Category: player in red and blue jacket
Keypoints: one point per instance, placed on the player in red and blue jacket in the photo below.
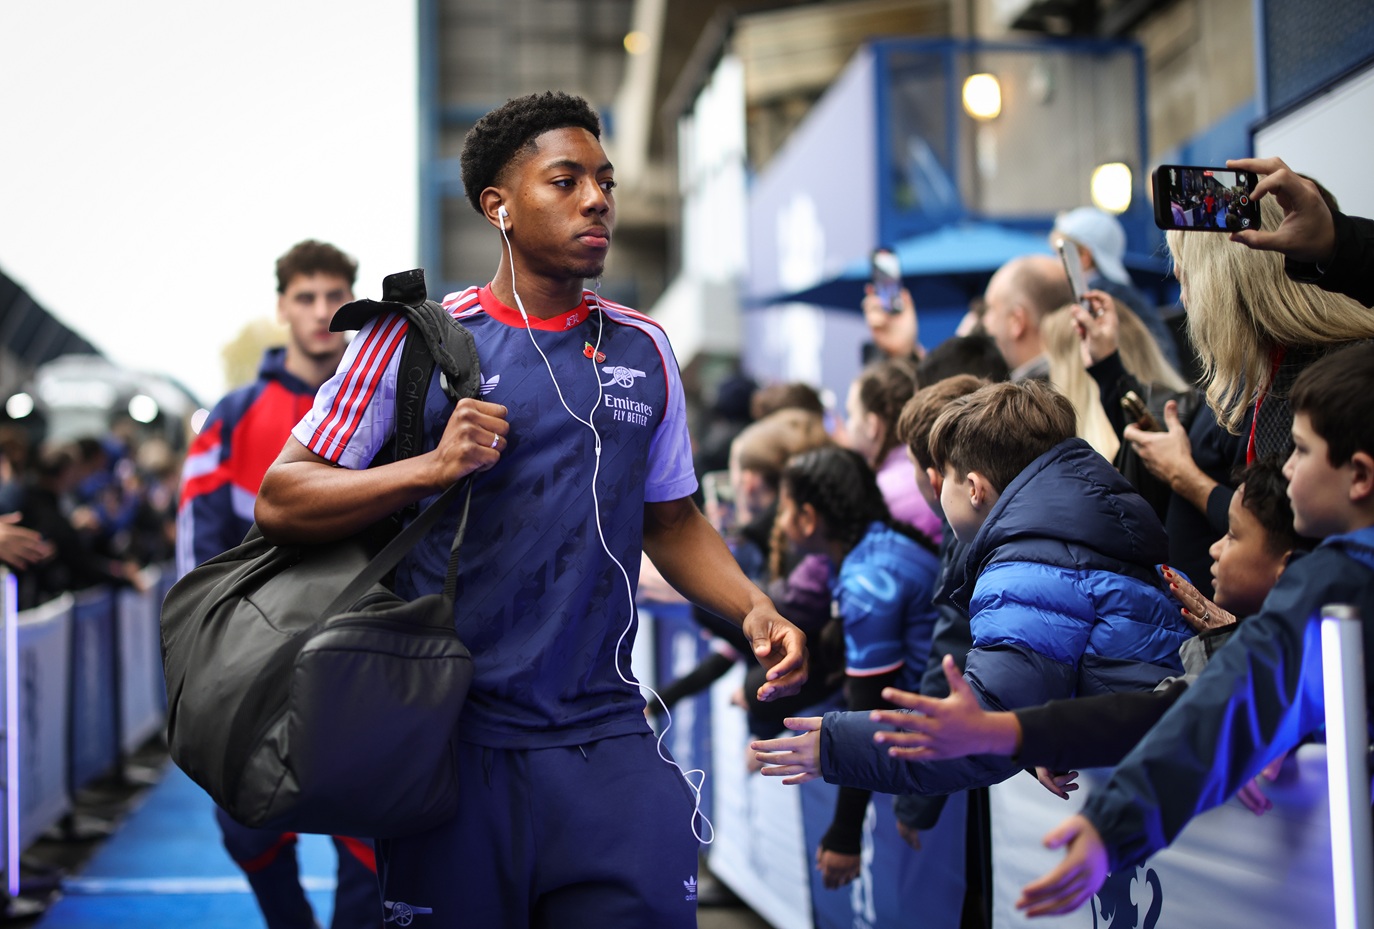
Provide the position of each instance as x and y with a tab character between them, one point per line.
219	484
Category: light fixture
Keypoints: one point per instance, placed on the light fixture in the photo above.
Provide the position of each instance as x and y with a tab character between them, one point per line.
636	42
198	419
143	408
1111	187
982	96
19	406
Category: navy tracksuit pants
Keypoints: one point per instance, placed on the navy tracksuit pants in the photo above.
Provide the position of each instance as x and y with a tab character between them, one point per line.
595	835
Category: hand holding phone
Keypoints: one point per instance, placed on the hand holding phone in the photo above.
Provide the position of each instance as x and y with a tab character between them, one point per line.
1308	231
1199	199
887	279
1139	413
1073	267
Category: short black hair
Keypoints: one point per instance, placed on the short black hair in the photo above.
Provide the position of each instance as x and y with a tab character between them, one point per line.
1266	497
493	143
967	354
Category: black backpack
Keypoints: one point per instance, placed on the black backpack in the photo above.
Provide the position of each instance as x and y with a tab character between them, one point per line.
303	694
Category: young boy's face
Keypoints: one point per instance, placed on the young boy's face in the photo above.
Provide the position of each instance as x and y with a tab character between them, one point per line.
927	482
1320	492
1244	568
956	499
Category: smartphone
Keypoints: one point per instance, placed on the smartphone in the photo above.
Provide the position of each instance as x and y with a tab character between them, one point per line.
1138	413
887	278
1073	266
1205	199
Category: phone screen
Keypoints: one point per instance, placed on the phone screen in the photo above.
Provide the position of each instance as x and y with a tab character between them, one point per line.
887	278
1205	199
1073	266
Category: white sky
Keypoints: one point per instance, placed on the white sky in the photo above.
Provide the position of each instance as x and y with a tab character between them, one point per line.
156	156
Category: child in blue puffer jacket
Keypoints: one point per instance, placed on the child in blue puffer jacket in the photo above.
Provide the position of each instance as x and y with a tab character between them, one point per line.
1059	578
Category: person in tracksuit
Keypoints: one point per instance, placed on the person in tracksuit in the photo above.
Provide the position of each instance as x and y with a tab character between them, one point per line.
219	483
569	813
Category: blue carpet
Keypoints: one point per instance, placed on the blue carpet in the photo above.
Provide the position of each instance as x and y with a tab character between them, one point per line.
166	867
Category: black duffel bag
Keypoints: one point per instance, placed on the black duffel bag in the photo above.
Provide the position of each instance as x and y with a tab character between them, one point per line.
305	696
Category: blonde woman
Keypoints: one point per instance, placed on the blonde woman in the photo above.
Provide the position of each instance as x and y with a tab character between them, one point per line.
1069	375
1255	329
1141	357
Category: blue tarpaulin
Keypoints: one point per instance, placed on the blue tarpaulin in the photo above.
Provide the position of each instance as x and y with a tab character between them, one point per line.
945	268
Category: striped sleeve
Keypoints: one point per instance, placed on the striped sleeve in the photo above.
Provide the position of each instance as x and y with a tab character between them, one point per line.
352	416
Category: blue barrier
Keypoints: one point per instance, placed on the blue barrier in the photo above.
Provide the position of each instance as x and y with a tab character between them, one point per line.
93	736
43	691
1229	869
892	876
142	694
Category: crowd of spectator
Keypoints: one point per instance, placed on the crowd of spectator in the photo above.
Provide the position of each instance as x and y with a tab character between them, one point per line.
1037	543
97	510
1106	526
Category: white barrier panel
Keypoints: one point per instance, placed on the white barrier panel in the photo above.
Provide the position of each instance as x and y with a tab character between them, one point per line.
42	688
140	664
759	851
1229	869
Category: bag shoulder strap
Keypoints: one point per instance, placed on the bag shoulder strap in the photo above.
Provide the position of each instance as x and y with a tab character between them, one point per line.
443	341
405	540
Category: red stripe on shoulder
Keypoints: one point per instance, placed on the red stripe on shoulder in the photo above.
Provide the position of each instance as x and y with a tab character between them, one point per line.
463	301
358	386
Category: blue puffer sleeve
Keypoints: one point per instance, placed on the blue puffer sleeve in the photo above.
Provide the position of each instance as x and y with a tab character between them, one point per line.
1043	607
849	756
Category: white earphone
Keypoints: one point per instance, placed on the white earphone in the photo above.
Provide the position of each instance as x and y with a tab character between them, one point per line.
589	422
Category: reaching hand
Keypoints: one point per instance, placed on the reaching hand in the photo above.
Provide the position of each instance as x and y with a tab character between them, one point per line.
21	547
1077	877
950	728
1059	783
1252	796
837	868
1199	612
796	758
780	647
1308	231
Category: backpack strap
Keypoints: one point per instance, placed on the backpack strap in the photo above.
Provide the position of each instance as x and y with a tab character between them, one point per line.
443	341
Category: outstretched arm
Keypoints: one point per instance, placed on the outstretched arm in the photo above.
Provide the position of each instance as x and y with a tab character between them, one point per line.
691	556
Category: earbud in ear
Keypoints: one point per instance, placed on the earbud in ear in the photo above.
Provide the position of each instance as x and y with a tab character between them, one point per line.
501	214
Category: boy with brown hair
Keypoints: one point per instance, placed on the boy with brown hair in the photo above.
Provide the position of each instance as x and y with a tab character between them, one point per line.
1260	694
1058	577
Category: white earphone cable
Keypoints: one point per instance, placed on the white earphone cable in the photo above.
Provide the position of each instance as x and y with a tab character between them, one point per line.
687	775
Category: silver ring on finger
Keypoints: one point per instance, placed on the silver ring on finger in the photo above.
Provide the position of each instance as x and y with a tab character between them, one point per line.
495	440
